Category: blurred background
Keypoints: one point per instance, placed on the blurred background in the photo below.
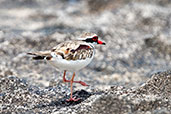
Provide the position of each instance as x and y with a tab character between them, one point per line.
137	34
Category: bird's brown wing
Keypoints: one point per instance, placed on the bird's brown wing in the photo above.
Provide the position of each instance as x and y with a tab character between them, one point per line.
80	53
69	50
74	51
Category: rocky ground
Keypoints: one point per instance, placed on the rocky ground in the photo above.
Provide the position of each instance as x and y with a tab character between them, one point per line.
131	74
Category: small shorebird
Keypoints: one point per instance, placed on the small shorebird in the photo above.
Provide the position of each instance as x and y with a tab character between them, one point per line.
71	56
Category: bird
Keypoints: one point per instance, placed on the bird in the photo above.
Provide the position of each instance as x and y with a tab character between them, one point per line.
72	55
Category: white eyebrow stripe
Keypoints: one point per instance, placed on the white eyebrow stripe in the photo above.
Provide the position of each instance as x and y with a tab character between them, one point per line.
91	36
82	38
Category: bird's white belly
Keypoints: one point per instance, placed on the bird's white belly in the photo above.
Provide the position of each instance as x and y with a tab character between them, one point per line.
70	65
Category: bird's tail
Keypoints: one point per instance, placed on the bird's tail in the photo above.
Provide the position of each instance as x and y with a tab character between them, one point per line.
40	55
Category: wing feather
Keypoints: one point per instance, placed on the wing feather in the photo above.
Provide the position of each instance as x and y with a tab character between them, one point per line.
40	55
69	50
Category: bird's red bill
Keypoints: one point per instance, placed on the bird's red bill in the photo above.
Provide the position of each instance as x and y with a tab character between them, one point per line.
100	42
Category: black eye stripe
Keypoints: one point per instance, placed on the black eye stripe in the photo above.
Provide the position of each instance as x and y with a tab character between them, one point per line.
89	40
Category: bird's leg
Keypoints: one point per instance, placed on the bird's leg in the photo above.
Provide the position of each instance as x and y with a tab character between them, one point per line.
64	79
71	82
80	82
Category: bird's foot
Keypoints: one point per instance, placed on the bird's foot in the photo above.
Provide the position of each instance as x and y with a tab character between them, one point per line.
73	99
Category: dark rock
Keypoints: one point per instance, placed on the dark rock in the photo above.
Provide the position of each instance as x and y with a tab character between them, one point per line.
161	43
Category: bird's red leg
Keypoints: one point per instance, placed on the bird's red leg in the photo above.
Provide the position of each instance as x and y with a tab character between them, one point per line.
71	82
64	79
80	82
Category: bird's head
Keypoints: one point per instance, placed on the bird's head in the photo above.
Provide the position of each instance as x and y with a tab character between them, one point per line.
91	38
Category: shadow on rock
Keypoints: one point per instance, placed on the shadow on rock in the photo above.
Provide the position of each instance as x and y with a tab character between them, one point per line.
82	94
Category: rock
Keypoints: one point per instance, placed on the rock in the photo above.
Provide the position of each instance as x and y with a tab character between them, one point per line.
161	43
153	96
17	96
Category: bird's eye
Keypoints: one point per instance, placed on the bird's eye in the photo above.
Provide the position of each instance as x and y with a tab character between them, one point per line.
95	38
